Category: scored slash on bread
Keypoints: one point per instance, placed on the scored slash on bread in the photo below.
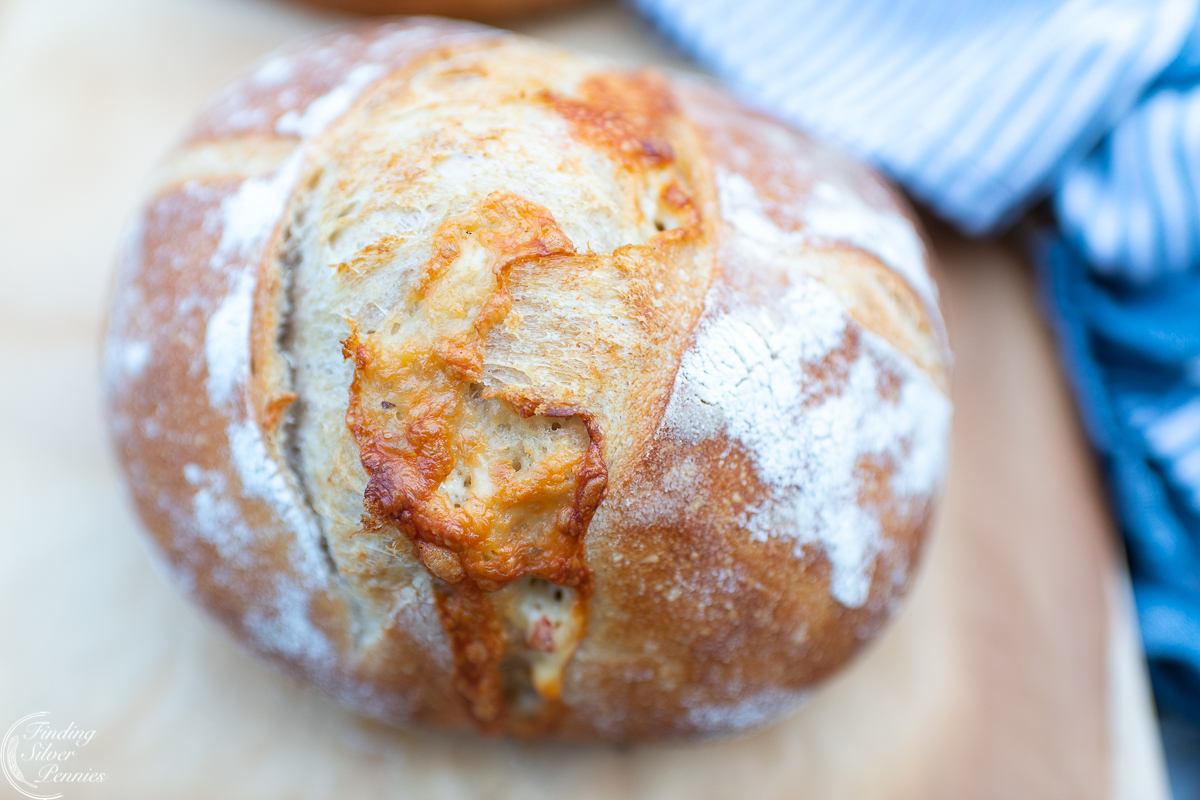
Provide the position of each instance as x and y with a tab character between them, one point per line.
491	387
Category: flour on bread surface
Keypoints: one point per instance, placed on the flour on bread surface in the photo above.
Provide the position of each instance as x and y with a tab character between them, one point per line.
804	387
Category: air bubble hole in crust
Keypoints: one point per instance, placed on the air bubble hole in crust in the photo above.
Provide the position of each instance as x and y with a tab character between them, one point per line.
665	221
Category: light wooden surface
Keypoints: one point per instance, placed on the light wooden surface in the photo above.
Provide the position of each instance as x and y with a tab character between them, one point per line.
1012	672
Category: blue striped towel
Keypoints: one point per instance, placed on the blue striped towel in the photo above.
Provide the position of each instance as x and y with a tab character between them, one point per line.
983	108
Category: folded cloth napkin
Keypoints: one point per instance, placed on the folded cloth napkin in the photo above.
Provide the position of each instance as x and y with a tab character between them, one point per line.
982	109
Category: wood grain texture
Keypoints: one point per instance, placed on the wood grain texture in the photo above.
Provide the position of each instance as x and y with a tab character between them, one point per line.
1010	673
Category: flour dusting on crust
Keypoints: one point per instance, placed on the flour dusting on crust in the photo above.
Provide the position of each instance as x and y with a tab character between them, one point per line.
751	374
227	342
218	519
838	215
831	214
251	214
750	712
286	628
744	212
248	220
261	477
803	386
328	107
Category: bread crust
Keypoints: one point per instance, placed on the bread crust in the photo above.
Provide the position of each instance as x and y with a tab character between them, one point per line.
762	397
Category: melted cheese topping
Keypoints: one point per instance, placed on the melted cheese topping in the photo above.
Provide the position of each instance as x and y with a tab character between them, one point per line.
491	481
479	400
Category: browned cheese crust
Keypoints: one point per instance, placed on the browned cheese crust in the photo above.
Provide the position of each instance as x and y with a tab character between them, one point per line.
493	388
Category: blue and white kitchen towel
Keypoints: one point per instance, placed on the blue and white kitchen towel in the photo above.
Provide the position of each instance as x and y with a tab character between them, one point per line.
982	108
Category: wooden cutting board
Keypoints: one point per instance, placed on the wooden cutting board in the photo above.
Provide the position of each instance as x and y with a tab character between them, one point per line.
1014	670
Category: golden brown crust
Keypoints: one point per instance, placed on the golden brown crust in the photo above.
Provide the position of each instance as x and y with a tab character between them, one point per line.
646	570
622	114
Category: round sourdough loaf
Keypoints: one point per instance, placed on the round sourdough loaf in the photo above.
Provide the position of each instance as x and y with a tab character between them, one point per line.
491	387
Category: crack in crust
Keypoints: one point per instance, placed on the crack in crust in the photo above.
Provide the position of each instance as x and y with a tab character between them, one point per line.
428	424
